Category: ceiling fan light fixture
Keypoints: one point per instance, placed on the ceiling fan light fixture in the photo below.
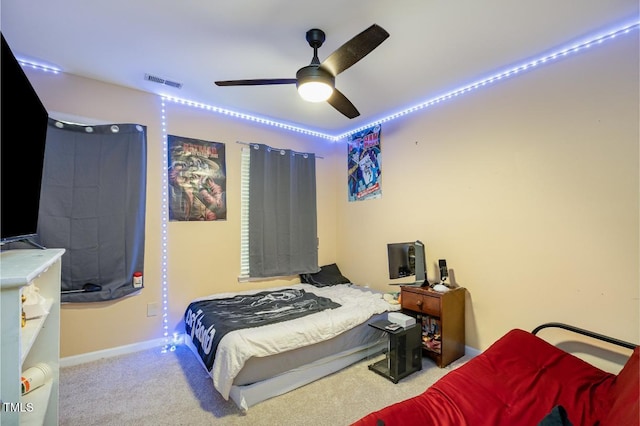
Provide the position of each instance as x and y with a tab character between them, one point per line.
314	84
315	91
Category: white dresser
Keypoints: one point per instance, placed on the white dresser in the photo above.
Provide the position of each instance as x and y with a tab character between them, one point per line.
37	342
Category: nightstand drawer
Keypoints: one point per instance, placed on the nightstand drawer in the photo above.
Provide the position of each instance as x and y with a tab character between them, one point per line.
421	303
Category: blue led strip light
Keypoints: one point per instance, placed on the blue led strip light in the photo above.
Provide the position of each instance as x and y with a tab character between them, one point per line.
164	208
557	54
560	53
249	117
511	72
39	67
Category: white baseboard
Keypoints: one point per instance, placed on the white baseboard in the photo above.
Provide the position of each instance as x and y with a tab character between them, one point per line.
107	353
468	350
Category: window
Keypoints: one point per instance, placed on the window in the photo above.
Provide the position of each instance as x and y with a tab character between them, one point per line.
93	205
278	209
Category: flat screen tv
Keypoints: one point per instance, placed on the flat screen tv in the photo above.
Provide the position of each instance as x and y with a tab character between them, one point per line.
406	260
23	132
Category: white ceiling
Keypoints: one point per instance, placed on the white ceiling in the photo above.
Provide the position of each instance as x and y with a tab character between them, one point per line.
435	46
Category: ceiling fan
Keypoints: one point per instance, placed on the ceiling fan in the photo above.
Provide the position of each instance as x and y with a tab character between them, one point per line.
316	82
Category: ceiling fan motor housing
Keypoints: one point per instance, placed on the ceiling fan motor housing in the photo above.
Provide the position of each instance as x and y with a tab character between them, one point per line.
313	73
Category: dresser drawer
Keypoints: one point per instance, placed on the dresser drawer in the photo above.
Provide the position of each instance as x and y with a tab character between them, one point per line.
423	303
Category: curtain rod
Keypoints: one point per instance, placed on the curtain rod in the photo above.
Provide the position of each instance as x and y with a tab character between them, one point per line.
295	152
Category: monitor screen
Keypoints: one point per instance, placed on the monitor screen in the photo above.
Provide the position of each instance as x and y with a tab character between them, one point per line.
407	259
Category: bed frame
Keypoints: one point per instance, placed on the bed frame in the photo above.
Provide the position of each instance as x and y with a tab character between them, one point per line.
584	332
247	395
267	376
306	365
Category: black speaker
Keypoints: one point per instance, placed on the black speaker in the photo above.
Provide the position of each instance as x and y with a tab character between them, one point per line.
444	271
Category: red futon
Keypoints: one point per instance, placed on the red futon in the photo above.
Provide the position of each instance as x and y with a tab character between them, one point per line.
522	380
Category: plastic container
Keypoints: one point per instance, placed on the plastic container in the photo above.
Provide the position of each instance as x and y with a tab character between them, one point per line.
137	279
34	377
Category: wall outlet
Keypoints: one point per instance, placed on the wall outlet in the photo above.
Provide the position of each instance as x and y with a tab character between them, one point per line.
152	309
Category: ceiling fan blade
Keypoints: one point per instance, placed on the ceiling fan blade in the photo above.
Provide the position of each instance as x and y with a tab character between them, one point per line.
259	82
342	104
355	49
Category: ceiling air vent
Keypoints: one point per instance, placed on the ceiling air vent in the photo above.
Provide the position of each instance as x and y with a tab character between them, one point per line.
159	80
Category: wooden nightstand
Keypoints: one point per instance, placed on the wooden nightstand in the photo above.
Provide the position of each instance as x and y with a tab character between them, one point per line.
442	318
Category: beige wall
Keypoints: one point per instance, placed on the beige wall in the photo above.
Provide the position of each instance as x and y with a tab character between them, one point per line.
203	258
528	188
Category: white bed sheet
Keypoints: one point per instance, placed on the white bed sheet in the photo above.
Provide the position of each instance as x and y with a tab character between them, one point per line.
358	304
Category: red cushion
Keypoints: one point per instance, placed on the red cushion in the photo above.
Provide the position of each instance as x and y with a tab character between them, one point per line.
516	381
625	395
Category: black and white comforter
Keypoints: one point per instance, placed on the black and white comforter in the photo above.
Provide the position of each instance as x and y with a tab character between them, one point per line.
208	321
356	305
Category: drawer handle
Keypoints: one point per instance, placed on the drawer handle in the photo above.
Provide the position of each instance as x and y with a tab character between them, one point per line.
419	303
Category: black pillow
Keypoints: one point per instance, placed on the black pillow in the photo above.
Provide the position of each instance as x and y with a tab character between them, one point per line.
328	275
557	417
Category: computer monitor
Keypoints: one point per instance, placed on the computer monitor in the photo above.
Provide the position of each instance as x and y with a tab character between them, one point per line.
407	259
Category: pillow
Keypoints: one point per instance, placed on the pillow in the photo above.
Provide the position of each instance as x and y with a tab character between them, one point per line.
328	275
557	417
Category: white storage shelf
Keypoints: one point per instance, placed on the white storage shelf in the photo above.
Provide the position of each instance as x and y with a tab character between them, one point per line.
38	341
31	330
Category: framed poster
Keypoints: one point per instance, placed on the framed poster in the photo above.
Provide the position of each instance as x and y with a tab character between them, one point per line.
364	164
197	180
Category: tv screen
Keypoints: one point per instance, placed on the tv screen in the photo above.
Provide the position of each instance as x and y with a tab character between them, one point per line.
407	259
23	132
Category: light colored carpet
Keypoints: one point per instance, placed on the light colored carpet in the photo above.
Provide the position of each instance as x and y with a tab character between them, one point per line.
152	388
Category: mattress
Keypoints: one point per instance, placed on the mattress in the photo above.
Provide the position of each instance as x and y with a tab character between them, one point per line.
261	368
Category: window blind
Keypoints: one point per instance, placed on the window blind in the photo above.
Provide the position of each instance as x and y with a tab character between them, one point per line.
244	213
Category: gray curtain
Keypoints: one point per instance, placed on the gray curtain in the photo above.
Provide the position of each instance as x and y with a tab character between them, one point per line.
93	205
282	213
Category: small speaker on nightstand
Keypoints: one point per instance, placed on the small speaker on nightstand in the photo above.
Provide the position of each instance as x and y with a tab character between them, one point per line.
444	272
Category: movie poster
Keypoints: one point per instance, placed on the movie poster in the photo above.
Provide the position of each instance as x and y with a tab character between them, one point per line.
364	164
197	180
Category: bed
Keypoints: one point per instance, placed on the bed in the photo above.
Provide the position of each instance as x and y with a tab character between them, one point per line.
523	380
258	344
